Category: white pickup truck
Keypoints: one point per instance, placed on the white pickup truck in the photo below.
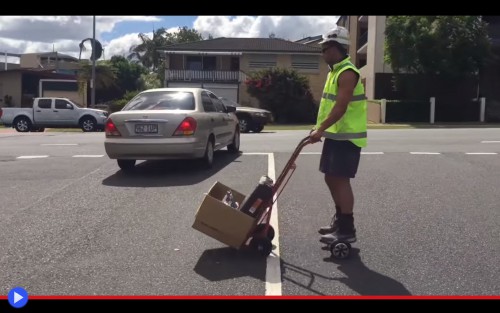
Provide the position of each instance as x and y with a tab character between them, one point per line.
53	113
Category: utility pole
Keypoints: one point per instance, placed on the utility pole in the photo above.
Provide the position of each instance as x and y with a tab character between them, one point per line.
92	82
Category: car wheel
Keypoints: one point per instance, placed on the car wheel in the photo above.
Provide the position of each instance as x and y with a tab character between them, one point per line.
208	158
126	165
234	147
88	124
22	124
258	128
244	124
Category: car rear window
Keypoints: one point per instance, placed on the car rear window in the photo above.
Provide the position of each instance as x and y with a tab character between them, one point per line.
162	100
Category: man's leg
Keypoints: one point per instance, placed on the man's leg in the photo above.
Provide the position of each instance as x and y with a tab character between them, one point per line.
339	163
334	223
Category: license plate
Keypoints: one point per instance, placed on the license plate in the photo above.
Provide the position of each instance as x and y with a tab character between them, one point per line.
146	128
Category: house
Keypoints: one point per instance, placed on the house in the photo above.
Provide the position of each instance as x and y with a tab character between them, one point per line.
222	64
22	85
50	74
58	62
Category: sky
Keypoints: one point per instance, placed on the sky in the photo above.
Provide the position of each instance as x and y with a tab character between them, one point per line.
27	34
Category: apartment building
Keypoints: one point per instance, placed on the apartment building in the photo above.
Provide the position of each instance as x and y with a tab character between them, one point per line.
367	47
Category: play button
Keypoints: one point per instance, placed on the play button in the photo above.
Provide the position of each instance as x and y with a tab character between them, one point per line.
18	297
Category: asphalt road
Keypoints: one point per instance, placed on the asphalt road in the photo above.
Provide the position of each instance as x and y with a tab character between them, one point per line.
428	224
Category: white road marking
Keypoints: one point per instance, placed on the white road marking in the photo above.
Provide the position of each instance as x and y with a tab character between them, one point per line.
481	153
319	153
88	156
255	153
490	141
425	152
59	144
32	156
273	266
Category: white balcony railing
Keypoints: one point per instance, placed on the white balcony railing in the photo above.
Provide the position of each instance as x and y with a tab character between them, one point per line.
207	76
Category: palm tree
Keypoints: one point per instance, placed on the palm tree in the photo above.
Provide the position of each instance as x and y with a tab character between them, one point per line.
146	51
105	75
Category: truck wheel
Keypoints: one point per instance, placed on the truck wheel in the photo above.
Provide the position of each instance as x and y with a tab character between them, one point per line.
88	124
22	124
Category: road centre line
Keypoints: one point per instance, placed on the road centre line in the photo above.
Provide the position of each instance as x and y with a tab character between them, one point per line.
59	144
32	156
481	153
273	264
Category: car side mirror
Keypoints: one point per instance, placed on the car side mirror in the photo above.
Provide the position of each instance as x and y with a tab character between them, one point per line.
69	106
230	109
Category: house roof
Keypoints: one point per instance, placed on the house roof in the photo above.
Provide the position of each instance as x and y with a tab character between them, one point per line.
245	45
309	40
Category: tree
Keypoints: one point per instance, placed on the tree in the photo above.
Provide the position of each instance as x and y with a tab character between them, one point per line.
285	93
183	35
438	45
147	51
149	81
128	74
105	74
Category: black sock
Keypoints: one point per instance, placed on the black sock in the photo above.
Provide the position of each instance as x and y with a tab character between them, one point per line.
346	223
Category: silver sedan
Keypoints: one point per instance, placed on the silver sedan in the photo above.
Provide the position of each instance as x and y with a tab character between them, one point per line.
171	123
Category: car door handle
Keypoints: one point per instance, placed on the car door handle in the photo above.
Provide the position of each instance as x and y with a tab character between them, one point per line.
56	111
39	110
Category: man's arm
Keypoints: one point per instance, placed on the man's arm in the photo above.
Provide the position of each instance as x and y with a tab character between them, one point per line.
347	82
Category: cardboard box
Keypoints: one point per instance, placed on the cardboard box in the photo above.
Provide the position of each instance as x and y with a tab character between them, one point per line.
220	221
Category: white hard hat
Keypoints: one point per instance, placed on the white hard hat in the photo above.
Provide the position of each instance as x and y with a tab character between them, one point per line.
339	34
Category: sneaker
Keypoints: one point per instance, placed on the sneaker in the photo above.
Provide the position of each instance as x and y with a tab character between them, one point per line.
338	236
334	225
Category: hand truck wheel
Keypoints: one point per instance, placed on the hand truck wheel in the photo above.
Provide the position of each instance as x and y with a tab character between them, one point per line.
340	249
262	245
270	231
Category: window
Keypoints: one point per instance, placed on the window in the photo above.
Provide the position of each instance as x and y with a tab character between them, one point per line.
208	105
44	103
198	63
63	104
219	106
305	63
161	100
262	61
235	64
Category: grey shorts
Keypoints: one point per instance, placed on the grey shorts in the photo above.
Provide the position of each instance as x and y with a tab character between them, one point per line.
339	158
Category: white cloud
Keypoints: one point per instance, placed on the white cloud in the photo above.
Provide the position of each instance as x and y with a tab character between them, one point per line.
287	27
24	34
122	45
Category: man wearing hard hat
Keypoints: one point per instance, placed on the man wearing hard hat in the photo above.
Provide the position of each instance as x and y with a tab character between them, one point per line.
342	123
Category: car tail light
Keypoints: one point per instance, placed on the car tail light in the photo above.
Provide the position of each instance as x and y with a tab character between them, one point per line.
186	128
1	112
111	129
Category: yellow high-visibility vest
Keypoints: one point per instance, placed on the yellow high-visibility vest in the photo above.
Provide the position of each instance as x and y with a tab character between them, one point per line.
352	126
